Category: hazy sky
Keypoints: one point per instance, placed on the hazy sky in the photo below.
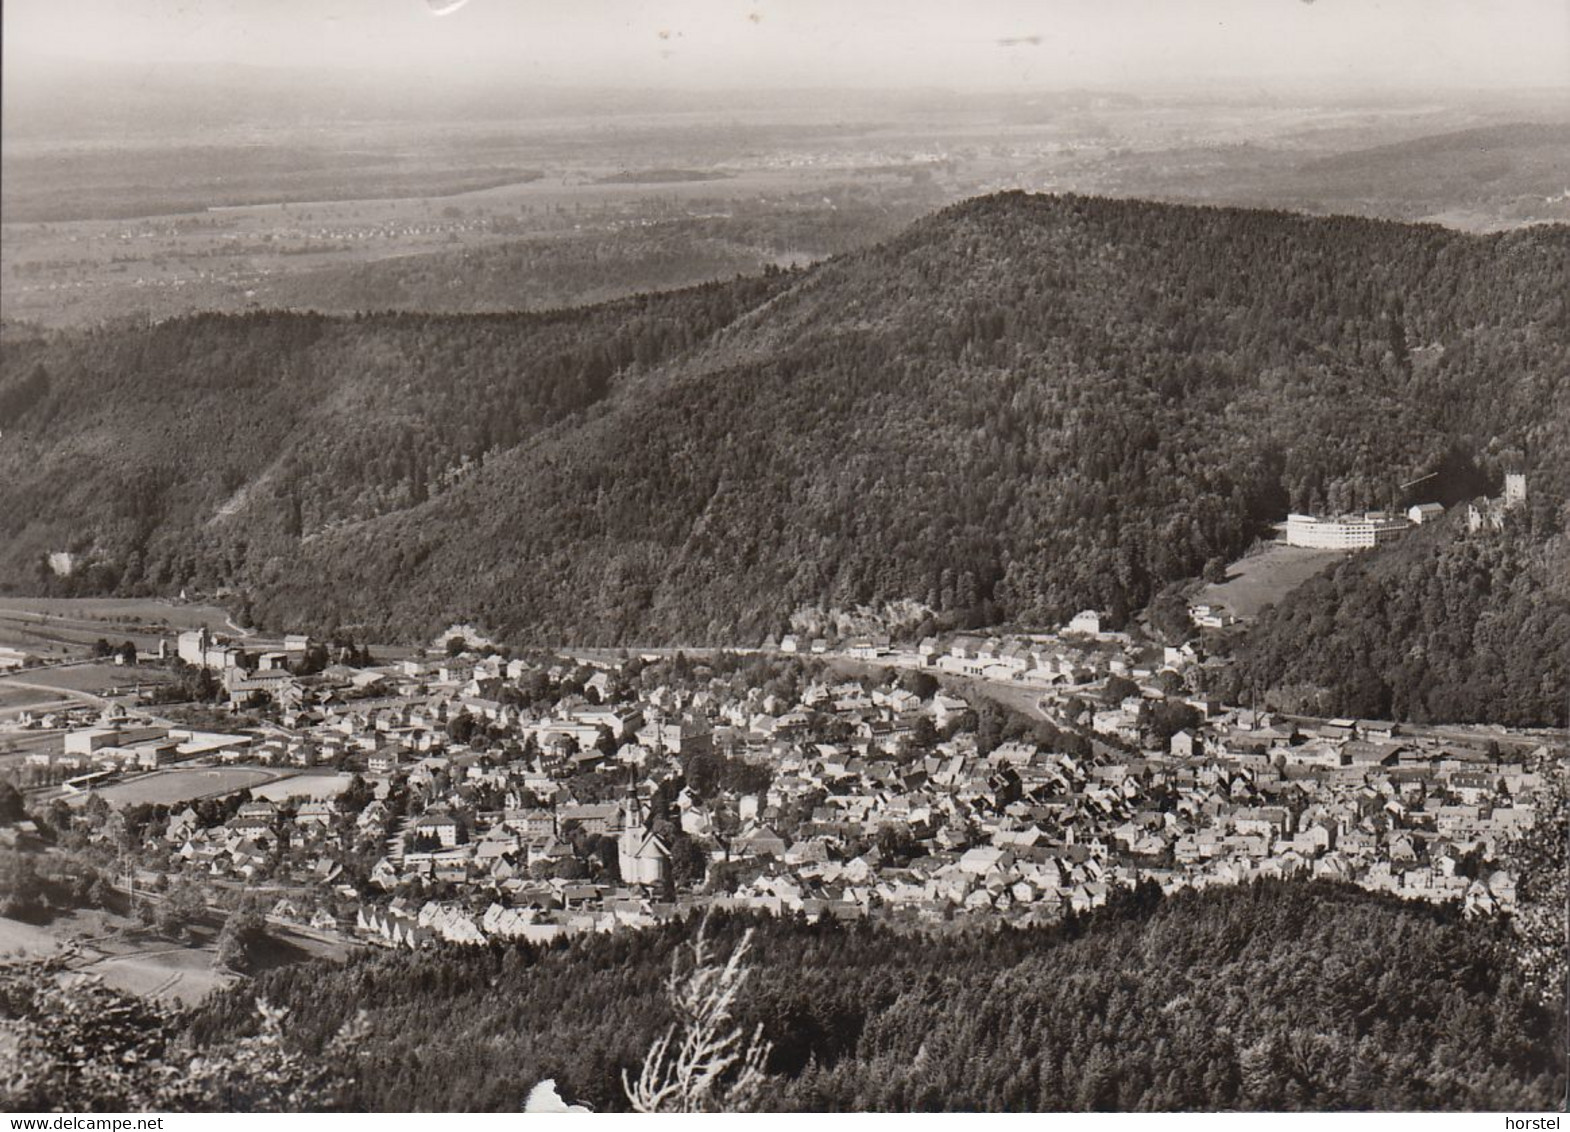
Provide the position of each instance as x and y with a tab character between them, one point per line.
949	43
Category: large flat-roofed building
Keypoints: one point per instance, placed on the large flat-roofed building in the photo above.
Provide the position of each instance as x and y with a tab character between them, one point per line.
1345	532
87	741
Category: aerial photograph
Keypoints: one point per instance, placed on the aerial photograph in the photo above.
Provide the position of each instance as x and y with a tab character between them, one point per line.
758	556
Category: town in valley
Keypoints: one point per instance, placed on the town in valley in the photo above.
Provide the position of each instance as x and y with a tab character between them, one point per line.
784	557
463	792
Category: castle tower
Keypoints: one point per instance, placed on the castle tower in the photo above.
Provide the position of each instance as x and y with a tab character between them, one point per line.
1515	489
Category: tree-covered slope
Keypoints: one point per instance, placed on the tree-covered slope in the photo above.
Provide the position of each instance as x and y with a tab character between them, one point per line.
184	453
1274	996
1020	407
1446	626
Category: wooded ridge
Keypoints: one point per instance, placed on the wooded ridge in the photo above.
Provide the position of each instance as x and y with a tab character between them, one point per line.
1020	407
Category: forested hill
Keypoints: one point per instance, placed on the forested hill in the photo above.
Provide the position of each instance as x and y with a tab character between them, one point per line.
1020	407
1275	996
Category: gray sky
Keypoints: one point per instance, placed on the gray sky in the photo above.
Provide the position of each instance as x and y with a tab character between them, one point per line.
977	44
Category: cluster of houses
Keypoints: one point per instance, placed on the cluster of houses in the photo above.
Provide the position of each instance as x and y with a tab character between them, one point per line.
480	812
1080	654
246	844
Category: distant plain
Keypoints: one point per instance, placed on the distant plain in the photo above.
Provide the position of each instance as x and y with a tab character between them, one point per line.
557	208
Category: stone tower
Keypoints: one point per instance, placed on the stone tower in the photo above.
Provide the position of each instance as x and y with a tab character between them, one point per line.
1515	489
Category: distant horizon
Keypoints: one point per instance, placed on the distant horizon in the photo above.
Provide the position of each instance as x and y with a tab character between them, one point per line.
27	67
1324	47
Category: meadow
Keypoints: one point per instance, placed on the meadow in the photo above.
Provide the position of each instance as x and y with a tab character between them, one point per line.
94	679
83	613
1264	578
115	948
14	699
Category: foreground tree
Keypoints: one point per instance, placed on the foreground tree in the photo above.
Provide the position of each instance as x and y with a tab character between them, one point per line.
1540	859
702	1063
244	931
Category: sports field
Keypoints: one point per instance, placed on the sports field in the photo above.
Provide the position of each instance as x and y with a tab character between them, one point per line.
171	787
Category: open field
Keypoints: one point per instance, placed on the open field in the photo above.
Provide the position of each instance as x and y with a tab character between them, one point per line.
107	614
54	627
13	699
168	971
171	787
52	640
94	679
18	940
59	628
1265	578
119	610
114	948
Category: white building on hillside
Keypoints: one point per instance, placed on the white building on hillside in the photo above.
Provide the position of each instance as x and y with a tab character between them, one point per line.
1345	532
1087	621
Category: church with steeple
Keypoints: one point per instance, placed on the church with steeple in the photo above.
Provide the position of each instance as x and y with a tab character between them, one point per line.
643	857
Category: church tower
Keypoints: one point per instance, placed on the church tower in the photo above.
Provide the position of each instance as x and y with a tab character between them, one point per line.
642	857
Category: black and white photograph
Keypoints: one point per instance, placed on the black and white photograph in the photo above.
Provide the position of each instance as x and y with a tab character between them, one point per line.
784	556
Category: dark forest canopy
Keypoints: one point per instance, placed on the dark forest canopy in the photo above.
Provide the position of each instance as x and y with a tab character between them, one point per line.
1022	406
1272	996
